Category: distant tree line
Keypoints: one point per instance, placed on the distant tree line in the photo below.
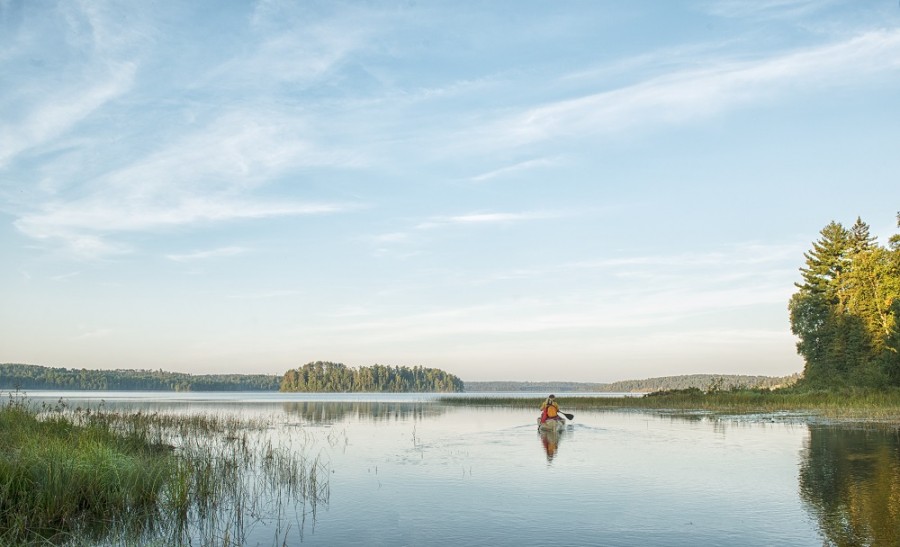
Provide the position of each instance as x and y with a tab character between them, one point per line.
324	376
703	382
846	309
18	376
539	387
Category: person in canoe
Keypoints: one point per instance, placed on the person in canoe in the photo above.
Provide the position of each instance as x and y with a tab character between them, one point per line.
550	409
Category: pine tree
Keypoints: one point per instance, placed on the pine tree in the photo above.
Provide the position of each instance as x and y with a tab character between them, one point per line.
826	261
845	312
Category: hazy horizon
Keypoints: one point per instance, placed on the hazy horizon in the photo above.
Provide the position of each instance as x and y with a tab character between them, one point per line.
587	191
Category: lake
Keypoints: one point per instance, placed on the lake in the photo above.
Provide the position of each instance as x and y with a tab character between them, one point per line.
406	469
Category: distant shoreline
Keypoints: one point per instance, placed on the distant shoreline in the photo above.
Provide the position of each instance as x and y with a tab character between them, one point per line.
24	377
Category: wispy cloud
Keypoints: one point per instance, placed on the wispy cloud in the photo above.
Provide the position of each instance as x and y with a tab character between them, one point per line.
392	237
207	176
88	226
93	334
60	111
475	219
267	294
65	276
678	293
685	95
753	263
514	169
764	9
211	253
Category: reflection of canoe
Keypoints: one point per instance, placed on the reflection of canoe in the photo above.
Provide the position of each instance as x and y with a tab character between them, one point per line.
552	425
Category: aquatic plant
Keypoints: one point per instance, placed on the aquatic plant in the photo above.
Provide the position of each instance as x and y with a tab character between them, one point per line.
857	404
96	475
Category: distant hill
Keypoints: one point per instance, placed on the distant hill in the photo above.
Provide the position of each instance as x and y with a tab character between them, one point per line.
704	382
548	387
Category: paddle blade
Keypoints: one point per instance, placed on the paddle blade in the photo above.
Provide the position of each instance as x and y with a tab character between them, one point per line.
568	416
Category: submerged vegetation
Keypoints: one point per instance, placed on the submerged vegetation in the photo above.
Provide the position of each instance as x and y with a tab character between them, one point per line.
76	475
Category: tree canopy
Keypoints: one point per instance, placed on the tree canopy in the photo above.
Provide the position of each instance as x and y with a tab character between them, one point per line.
19	376
846	309
336	377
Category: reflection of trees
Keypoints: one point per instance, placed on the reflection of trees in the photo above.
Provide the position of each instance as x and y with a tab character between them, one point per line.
330	411
851	480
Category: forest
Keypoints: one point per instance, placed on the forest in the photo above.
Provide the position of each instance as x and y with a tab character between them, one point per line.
704	382
325	376
846	309
18	376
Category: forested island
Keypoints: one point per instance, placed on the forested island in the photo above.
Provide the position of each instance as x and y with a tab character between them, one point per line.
337	377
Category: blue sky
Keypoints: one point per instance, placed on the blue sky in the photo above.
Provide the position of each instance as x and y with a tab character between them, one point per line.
528	190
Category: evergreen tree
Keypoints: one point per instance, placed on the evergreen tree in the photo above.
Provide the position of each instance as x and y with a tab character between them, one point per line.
826	261
814	318
845	311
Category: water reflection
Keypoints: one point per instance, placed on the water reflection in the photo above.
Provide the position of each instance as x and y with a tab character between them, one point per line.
851	481
318	412
550	441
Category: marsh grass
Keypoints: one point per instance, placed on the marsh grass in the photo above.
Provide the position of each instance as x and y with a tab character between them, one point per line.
845	404
132	478
56	477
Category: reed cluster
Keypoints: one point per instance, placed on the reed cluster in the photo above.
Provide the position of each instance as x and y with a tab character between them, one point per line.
849	403
56	477
98	476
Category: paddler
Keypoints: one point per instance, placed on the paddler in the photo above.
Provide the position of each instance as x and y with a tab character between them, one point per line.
550	409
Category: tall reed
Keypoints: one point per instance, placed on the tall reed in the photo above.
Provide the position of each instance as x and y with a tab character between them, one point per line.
850	404
96	475
56	477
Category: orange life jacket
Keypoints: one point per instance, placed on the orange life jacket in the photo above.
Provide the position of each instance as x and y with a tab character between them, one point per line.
551	407
552	410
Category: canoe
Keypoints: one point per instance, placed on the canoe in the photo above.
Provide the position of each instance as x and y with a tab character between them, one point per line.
552	425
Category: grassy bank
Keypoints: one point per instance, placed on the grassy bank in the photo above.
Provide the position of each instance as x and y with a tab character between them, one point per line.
87	476
57	477
850	404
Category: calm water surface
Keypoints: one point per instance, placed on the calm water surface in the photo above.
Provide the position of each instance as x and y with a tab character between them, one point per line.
408	470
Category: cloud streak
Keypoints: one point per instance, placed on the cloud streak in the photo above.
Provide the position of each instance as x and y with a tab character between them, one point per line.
514	169
211	253
208	176
689	94
481	219
57	114
765	9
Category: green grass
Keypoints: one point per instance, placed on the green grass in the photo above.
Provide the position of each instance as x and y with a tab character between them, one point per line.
847	404
57	477
87	476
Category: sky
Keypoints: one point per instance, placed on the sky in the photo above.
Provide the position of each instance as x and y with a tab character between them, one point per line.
510	190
